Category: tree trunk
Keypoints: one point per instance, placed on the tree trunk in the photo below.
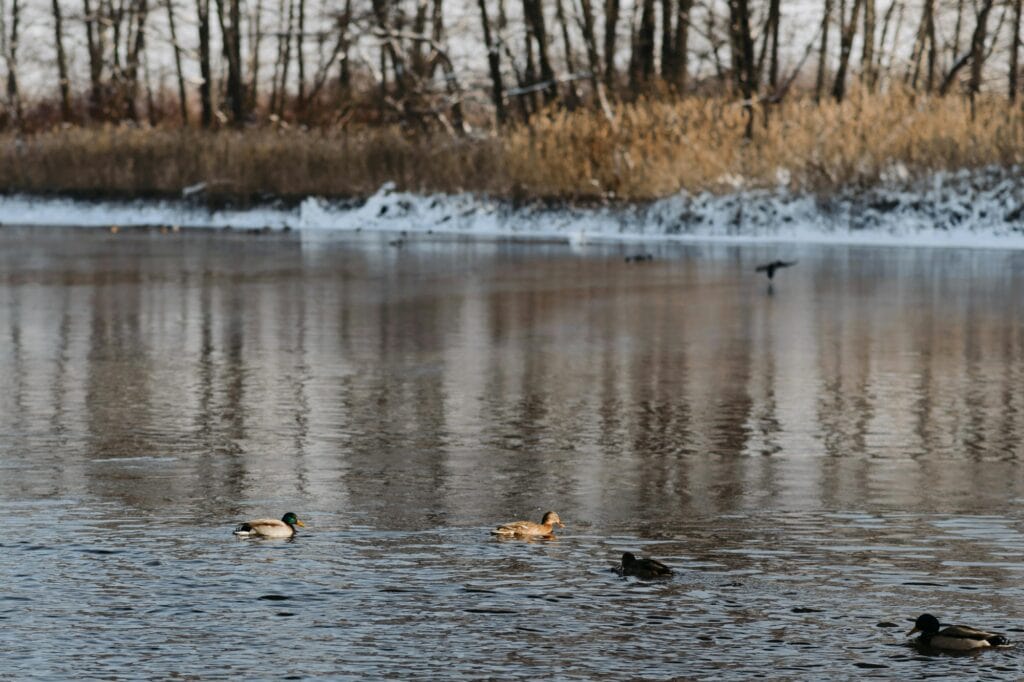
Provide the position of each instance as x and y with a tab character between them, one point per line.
847	33
774	19
382	13
62	64
182	98
94	45
494	65
611	20
236	79
255	42
10	55
534	14
231	32
867	58
644	46
978	50
743	58
300	57
205	75
572	97
593	60
344	72
140	12
1014	50
932	46
286	60
819	82
667	49
958	28
681	46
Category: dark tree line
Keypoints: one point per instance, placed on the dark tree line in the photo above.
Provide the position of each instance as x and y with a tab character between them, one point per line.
231	62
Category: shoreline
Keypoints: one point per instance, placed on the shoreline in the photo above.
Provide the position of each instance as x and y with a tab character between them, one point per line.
969	209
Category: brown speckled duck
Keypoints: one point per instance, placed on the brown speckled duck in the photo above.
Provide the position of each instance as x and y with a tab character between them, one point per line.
529	529
270	528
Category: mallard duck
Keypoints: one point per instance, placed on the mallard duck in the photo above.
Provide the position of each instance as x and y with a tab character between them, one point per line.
270	528
953	637
647	569
529	529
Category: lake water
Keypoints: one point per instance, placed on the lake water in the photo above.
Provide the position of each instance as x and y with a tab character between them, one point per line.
819	462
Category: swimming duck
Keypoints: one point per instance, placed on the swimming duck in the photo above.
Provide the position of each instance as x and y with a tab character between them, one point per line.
529	529
270	528
953	637
647	569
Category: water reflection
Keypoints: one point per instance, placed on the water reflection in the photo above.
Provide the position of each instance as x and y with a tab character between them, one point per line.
494	376
843	451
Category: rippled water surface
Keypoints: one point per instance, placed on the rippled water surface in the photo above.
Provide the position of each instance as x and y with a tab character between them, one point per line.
819	462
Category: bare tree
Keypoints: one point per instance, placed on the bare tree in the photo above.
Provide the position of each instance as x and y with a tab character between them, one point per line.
611	20
205	73
1014	52
182	97
231	34
681	46
493	64
667	36
534	15
300	53
819	81
255	40
572	96
975	56
847	32
642	62
62	63
138	15
593	60
94	34
978	49
744	69
9	46
867	59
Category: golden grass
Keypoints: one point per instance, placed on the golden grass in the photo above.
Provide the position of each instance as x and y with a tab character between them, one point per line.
649	150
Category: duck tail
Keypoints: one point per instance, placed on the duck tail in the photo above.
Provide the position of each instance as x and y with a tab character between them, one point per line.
245	530
998	640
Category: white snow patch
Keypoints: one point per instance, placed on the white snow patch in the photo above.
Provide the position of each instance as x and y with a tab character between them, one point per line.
965	209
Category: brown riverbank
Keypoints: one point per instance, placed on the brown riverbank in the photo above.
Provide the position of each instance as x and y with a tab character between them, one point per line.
645	151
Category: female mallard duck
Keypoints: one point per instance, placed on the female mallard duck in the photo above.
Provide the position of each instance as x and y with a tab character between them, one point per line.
953	637
270	528
529	529
647	569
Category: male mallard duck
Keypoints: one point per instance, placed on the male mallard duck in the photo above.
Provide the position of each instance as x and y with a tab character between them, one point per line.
953	637
270	528
529	529
643	568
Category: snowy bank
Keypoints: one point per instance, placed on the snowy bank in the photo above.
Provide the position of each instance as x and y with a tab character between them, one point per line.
975	209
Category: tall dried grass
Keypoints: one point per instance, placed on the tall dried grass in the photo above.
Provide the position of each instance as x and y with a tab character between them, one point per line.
649	149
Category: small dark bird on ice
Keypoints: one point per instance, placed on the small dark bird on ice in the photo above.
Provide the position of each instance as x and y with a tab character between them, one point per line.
770	268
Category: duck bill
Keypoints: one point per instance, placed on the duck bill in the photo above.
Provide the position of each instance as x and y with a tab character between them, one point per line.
560	524
914	631
300	523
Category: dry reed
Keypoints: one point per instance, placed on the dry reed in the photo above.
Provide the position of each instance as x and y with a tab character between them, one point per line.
648	150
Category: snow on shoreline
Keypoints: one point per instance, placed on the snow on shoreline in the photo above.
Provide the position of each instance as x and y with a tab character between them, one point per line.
978	209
